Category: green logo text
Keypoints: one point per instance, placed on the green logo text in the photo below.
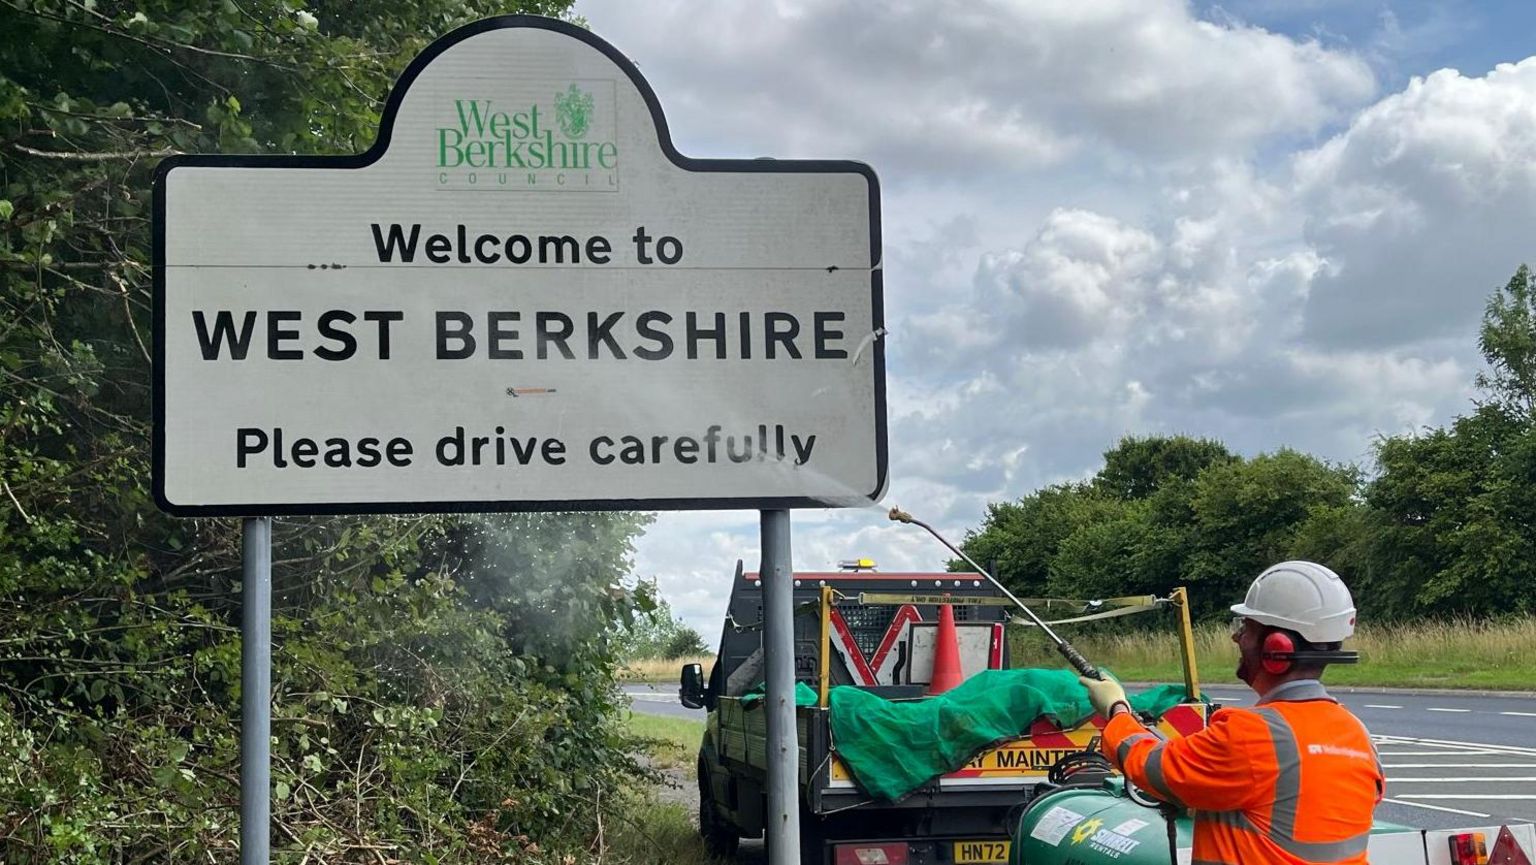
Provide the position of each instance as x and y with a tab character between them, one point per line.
485	137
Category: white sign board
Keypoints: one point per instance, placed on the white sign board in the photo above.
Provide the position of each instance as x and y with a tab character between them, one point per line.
977	641
521	298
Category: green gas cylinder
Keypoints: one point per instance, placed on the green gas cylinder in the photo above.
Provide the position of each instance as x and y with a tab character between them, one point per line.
1088	825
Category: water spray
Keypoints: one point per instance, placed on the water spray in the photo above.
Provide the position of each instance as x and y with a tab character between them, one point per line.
1073	656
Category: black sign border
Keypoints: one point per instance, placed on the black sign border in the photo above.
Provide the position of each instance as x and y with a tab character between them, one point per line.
371	155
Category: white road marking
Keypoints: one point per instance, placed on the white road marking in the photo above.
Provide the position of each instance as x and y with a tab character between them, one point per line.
1438	808
1435	753
1491	779
1459	765
1510	757
1375	706
1434	709
1520	796
1520	714
1466	747
1421	743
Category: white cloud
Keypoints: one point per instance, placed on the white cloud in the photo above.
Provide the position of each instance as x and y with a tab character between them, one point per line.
1104	219
1422	207
942	90
1079	278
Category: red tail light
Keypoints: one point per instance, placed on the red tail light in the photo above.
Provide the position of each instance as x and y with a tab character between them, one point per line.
870	854
1469	848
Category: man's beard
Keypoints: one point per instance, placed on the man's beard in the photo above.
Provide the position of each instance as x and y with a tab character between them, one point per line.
1244	669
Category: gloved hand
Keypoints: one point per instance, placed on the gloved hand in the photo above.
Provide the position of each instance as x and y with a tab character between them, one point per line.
1104	694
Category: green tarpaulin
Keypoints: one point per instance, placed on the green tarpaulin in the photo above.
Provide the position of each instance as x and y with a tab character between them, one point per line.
894	747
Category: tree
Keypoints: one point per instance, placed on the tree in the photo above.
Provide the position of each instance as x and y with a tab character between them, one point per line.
1019	540
1455	525
1192	513
1097	559
1452	507
1136	467
1508	343
1343	536
684	642
659	633
1248	516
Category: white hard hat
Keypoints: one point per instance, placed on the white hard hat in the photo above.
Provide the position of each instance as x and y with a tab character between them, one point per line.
1304	597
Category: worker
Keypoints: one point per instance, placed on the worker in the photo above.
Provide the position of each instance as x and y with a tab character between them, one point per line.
1293	780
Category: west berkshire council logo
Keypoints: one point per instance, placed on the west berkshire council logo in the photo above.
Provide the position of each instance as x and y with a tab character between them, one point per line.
555	142
573	109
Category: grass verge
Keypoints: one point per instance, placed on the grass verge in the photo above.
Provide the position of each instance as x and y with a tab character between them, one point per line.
671	742
1450	654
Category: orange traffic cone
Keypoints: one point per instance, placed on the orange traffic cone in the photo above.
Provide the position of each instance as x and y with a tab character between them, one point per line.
946	654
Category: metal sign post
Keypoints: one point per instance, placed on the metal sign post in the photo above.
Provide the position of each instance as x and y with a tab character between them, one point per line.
783	818
256	693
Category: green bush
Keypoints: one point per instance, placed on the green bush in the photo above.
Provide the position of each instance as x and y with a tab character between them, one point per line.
406	720
443	687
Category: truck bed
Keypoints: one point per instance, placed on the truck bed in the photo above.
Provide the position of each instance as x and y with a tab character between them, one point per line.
1002	772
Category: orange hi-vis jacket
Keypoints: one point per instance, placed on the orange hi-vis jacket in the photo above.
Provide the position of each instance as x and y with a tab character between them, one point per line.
1292	781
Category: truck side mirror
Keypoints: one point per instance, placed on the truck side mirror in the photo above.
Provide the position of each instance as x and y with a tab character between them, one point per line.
691	692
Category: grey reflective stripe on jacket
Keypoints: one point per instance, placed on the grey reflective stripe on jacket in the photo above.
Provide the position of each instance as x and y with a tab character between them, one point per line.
1282	820
1125	747
1155	779
1311	851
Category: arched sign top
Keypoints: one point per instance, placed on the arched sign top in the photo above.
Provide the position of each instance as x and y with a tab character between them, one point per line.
624	65
520	297
534	22
500	23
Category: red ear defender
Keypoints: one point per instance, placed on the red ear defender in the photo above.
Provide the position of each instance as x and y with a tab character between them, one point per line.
1278	649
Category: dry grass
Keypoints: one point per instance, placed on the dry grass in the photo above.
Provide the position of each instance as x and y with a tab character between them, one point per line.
656	833
662	669
658	829
1448	654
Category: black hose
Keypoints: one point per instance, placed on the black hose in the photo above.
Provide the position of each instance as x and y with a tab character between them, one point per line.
1076	659
1169	815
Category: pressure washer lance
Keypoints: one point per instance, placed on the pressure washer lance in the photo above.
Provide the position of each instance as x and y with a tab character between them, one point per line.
1073	656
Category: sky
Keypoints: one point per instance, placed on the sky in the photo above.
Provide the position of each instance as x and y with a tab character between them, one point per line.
1269	222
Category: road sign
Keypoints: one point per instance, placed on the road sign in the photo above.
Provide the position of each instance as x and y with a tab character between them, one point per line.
522	297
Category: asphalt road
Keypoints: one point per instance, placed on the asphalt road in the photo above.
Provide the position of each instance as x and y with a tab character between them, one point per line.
660	700
1451	760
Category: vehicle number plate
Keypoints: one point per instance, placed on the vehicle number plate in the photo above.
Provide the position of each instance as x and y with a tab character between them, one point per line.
981	851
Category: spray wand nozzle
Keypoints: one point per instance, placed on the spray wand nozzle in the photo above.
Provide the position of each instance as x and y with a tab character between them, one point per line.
1073	656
